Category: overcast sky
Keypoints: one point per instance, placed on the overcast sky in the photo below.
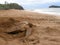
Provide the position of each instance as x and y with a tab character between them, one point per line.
33	4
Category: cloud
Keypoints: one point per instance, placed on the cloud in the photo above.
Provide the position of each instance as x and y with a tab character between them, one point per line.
29	2
3	1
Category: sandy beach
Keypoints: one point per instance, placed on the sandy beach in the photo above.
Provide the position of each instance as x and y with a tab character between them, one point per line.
41	29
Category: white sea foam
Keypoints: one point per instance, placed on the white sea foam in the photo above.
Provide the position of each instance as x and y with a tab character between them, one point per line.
54	11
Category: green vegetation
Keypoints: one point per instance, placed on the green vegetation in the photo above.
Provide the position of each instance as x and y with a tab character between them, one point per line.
10	6
54	6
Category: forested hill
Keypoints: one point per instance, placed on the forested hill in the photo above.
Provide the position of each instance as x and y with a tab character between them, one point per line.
11	6
54	6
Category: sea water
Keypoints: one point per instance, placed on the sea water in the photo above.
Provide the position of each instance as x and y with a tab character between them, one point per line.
54	11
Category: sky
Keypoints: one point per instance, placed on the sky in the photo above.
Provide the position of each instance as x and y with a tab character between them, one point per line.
33	4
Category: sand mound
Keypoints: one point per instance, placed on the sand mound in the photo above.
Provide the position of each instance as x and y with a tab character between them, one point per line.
18	27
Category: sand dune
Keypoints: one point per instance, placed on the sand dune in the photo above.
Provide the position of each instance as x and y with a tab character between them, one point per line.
18	27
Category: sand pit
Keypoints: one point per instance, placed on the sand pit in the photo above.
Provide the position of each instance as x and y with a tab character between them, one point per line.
18	27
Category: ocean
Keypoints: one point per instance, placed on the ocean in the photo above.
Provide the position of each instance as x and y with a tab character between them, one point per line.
54	11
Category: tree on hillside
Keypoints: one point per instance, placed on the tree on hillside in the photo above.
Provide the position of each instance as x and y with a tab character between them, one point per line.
15	6
10	6
54	6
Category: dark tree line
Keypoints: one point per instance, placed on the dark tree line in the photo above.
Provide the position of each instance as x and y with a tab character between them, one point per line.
54	6
10	6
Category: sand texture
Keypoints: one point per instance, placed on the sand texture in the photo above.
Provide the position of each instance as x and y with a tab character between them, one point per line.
18	27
